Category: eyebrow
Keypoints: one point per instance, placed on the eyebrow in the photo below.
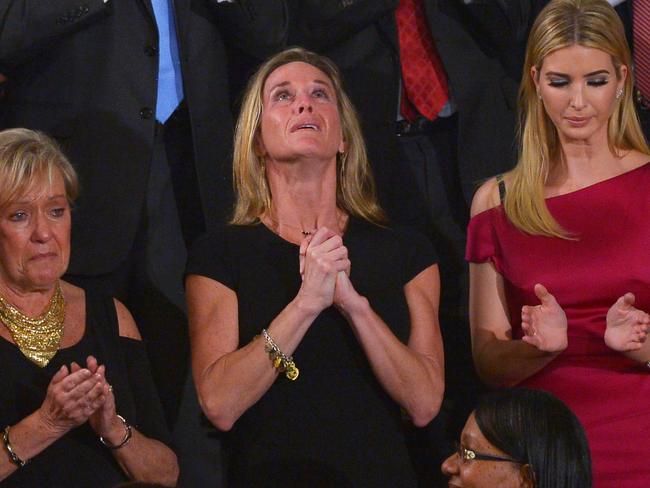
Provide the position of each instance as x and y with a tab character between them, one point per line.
27	202
593	73
287	82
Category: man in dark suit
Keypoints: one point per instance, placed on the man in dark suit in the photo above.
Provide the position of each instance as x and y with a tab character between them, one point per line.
86	72
447	157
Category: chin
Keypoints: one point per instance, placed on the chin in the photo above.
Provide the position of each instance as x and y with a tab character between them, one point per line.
44	280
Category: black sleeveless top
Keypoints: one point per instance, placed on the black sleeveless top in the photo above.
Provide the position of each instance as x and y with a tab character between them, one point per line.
78	458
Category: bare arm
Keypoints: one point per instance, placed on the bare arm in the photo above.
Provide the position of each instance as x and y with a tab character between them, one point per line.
499	360
230	378
413	373
71	398
141	458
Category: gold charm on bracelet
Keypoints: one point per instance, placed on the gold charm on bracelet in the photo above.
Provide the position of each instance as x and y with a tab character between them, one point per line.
279	360
292	372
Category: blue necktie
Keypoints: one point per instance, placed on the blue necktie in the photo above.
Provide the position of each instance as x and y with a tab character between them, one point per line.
170	80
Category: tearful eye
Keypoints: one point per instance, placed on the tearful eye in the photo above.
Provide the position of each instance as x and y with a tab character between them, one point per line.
58	212
282	96
18	216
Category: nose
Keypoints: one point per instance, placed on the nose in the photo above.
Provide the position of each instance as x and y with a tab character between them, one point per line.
450	466
42	231
577	97
304	103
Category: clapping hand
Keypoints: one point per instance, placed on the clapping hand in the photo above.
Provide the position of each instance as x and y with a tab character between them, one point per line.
544	325
627	326
104	420
72	397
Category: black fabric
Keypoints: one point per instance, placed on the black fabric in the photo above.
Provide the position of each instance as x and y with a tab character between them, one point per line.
78	458
502	188
334	426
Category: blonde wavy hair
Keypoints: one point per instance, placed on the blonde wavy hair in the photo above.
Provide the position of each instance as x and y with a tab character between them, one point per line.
563	23
355	192
29	159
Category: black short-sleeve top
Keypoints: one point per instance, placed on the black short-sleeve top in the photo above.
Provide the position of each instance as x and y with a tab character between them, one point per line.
334	422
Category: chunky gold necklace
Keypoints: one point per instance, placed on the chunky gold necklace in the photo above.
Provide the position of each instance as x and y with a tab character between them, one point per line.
38	338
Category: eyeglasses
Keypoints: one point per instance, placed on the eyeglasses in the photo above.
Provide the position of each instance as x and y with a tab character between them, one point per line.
468	455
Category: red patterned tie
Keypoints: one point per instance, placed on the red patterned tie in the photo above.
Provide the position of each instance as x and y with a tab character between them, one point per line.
425	82
641	37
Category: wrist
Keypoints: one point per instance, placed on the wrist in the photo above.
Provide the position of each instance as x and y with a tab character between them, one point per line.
308	306
354	307
113	433
50	428
119	433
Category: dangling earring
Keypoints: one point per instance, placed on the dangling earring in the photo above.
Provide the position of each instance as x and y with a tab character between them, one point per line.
619	93
539	95
342	157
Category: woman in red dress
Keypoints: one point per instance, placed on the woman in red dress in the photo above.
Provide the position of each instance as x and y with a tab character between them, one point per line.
560	268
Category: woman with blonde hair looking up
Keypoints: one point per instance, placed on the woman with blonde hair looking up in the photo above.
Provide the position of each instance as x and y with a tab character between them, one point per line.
311	322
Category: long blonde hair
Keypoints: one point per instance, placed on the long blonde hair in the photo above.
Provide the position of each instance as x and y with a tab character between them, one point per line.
355	192
563	23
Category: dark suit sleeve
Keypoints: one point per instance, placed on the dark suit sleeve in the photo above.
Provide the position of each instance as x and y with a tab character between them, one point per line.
257	27
319	24
28	26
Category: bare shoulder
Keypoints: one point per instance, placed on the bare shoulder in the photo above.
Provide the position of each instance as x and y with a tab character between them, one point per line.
127	325
486	197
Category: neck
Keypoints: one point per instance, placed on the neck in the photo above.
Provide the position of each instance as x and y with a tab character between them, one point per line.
32	302
304	195
583	163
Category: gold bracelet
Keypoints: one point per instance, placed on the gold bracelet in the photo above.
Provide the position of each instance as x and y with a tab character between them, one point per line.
12	454
282	363
127	435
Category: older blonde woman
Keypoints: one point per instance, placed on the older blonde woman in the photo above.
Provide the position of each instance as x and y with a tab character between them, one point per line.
310	323
560	242
77	404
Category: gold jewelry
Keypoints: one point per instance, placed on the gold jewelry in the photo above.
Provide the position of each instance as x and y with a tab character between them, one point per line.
295	227
284	364
12	454
37	338
127	435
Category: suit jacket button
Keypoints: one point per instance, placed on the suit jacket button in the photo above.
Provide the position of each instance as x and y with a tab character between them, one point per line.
150	51
146	113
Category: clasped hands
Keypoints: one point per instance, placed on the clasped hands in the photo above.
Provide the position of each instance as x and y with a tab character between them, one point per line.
77	395
545	325
325	272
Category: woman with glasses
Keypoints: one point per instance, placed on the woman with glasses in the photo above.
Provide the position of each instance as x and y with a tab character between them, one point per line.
520	438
